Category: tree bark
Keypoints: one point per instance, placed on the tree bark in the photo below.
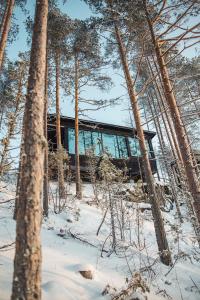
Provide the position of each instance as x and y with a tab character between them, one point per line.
61	182
171	137
170	174
12	119
178	125
19	174
5	29
77	158
27	261
3	17
46	176
165	255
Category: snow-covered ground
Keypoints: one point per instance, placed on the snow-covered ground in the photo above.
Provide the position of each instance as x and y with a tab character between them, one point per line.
64	257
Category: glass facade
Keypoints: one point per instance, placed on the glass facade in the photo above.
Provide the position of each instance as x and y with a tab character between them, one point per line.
115	145
97	143
122	145
81	142
110	145
134	146
71	140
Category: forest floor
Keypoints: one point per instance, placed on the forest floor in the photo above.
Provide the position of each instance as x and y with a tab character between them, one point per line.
81	249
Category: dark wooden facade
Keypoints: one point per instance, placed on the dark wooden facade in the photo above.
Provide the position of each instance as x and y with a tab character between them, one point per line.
131	160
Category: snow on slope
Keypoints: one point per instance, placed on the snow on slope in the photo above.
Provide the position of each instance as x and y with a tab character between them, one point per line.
62	257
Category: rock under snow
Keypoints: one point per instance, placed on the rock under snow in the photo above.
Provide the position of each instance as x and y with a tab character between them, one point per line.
87	271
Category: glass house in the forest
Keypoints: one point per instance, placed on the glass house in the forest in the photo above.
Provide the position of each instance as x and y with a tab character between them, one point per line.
119	142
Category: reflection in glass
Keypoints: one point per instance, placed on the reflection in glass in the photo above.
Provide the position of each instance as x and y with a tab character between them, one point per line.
134	146
71	140
150	152
110	145
123	151
81	145
88	141
97	143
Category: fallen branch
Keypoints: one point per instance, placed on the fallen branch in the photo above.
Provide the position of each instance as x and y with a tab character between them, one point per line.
75	236
195	284
102	222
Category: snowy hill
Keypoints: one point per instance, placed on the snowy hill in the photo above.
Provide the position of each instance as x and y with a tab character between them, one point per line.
70	244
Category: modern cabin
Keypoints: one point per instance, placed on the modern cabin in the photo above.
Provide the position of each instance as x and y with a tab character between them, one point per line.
120	142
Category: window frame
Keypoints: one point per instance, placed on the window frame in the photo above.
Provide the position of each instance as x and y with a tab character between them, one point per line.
116	136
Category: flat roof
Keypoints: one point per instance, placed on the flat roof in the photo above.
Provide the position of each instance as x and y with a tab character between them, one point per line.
104	125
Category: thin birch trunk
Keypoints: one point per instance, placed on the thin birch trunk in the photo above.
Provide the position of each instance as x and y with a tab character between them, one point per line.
19	174
61	183
27	261
77	158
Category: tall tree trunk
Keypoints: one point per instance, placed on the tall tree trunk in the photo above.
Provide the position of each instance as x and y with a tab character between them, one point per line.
169	128
27	262
12	120
170	174
178	125
21	155
171	137
165	255
46	176
5	29
3	17
77	159
61	182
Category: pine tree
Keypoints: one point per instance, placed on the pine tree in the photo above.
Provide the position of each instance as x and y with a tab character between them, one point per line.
27	262
59	28
87	65
112	18
16	74
175	115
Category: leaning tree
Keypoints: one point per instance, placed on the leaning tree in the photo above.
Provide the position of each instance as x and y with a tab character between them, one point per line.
123	32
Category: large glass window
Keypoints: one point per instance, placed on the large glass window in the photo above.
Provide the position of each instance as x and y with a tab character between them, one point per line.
81	143
110	145
71	140
123	151
88	141
150	151
97	143
134	146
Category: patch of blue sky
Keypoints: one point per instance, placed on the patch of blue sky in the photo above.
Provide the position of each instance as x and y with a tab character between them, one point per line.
117	114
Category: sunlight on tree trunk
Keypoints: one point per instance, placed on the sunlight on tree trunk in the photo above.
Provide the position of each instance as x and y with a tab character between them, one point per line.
165	255
27	261
178	125
5	29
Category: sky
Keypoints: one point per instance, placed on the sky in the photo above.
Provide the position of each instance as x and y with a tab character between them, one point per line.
77	9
